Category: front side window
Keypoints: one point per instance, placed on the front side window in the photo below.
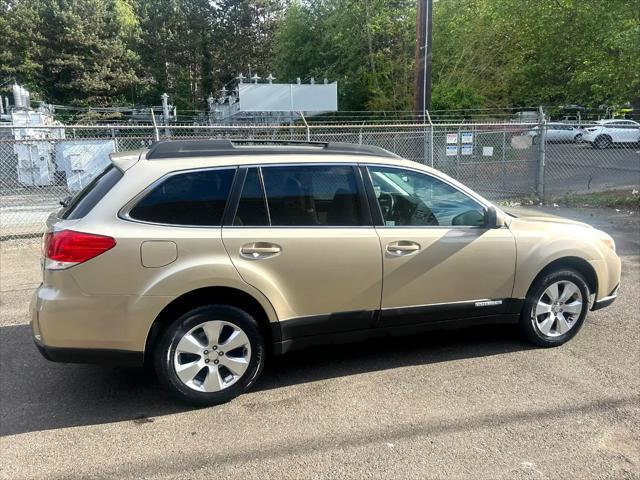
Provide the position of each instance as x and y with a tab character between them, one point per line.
408	198
195	198
313	195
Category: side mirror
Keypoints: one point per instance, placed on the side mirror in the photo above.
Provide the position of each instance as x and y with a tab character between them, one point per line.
491	217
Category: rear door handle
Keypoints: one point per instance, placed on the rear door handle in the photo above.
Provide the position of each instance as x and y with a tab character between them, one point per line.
403	247
260	250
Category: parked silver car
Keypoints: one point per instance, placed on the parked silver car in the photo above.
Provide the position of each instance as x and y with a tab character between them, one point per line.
559	132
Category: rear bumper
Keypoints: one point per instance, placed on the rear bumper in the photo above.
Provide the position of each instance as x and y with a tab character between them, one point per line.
89	355
590	136
70	325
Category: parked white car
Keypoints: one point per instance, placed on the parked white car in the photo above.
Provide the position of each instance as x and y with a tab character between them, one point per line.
607	132
559	132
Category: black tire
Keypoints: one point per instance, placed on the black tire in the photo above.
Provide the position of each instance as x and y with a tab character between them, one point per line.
577	138
528	324
164	354
603	141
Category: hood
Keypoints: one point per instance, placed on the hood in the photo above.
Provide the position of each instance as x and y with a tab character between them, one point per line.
548	219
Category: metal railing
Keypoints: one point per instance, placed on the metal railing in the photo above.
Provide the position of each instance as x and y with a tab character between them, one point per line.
40	165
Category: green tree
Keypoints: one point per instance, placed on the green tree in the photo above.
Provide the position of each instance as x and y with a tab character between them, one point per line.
87	55
20	42
527	52
366	45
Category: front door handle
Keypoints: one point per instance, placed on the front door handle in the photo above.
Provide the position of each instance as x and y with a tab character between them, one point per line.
260	250
403	247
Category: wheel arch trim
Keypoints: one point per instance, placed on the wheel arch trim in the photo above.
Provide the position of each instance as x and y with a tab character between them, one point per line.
253	302
579	264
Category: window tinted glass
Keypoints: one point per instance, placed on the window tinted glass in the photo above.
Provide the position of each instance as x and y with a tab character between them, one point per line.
89	196
408	198
190	198
252	210
323	195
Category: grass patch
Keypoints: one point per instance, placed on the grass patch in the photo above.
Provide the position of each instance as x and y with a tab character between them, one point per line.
518	202
621	199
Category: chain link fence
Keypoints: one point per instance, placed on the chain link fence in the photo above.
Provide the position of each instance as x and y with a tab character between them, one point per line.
41	165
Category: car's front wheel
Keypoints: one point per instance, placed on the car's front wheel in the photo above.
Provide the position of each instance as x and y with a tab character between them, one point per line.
210	355
555	308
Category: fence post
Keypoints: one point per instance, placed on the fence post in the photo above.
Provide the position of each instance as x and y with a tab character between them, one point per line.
156	133
306	126
430	163
542	153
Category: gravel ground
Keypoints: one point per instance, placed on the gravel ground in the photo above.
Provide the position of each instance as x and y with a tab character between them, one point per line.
469	404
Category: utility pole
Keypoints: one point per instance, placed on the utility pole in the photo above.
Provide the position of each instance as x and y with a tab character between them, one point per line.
424	25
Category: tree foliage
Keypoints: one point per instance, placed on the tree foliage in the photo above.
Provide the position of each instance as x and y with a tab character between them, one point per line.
366	45
98	52
531	52
485	52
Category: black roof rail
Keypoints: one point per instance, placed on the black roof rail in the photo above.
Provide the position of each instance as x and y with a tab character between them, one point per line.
167	149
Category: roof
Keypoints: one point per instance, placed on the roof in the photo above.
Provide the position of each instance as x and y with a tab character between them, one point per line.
611	120
175	149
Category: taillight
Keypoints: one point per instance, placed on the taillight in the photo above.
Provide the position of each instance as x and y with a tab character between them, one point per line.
67	248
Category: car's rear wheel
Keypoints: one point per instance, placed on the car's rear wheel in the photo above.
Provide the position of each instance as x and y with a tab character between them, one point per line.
603	141
555	308
210	355
578	138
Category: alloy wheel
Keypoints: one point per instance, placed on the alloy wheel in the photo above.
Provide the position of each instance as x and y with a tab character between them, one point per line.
212	356
558	309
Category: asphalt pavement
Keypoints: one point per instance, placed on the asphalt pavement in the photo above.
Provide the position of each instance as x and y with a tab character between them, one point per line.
475	403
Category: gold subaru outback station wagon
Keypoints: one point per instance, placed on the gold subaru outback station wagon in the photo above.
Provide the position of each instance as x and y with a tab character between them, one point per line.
199	258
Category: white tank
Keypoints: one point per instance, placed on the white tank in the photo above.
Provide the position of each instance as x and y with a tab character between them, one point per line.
17	96
26	98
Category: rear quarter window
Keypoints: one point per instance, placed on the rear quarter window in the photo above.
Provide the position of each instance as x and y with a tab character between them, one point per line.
196	198
90	195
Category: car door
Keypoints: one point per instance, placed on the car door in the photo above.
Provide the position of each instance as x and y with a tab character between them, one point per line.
439	260
616	131
568	133
309	246
553	133
629	131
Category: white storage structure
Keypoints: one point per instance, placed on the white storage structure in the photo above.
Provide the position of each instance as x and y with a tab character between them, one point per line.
35	166
81	160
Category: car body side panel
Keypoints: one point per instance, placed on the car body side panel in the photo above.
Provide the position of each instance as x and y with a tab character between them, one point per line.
318	271
540	243
65	317
112	300
452	265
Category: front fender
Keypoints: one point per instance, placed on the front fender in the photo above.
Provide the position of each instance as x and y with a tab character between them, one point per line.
540	245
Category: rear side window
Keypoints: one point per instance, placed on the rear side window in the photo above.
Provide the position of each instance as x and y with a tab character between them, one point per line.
313	195
191	198
89	196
